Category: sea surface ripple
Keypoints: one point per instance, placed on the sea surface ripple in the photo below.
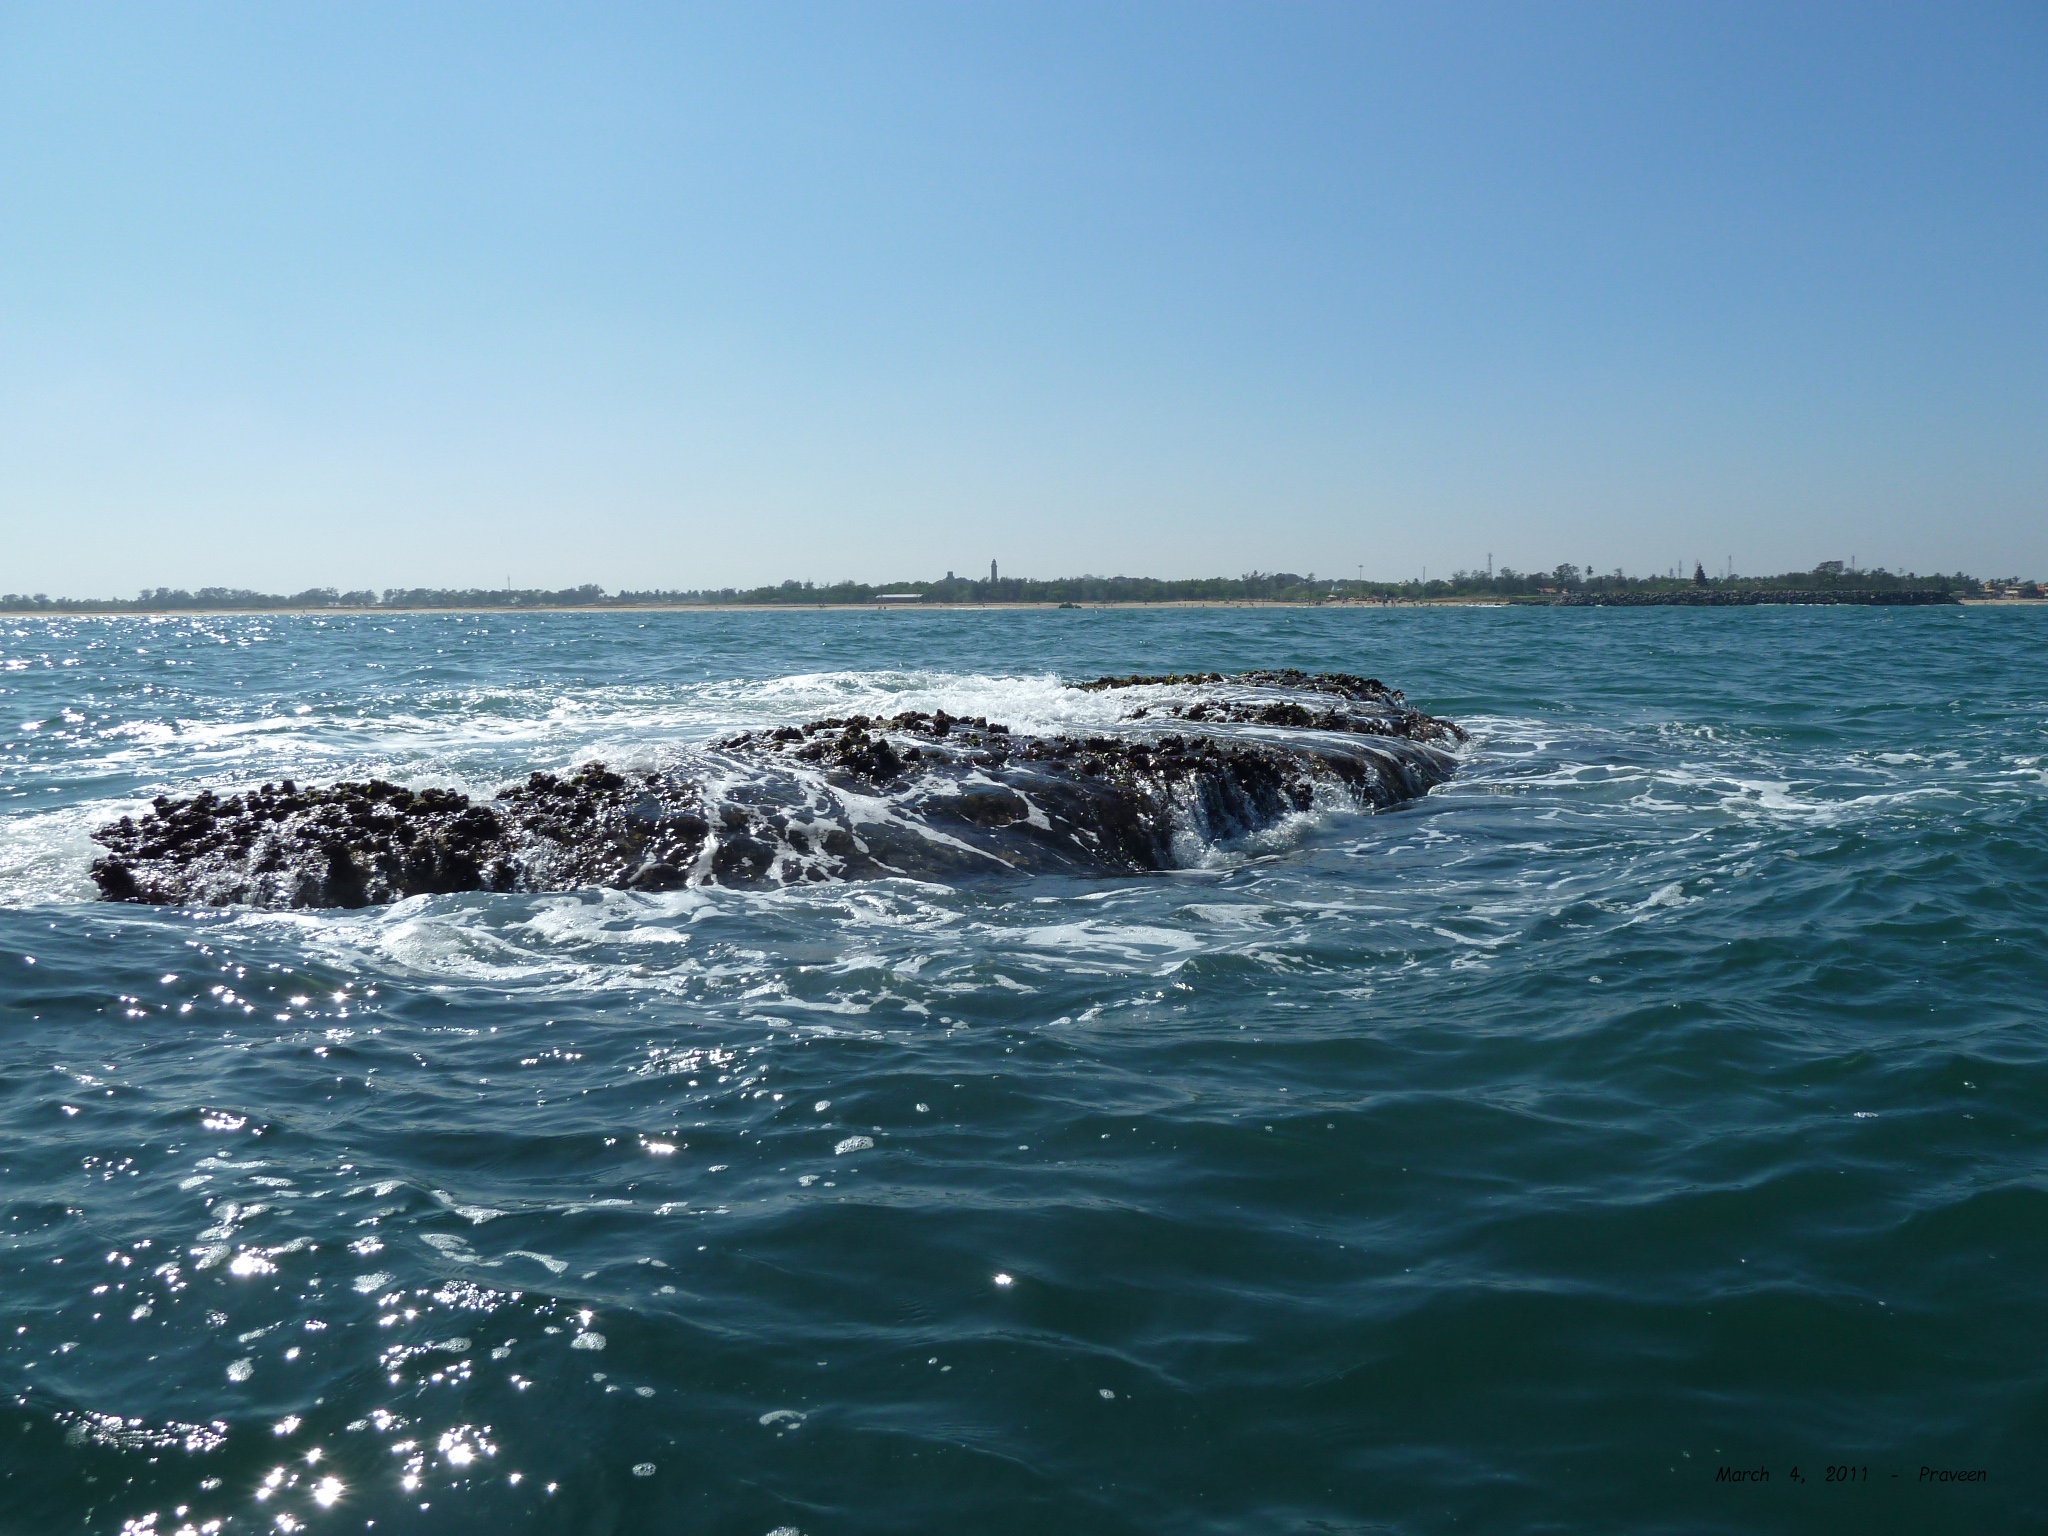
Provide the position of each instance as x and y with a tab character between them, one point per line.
1664	1094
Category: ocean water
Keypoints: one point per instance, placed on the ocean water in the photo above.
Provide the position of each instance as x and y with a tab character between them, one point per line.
1668	1093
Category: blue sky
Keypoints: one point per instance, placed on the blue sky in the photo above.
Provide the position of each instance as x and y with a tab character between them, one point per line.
378	295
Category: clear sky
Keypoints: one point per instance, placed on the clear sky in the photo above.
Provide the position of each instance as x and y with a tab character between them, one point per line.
371	295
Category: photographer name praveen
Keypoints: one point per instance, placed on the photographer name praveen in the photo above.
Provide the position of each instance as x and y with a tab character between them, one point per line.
1857	1473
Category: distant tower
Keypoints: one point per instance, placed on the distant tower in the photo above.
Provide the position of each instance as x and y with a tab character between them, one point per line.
991	573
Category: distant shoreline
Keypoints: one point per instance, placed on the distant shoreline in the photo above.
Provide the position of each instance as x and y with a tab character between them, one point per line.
870	607
1235	602
941	607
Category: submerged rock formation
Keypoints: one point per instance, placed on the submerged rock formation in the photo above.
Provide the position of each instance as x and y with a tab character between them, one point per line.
1203	759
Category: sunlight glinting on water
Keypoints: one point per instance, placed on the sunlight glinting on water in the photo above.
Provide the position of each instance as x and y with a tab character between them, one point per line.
1396	1151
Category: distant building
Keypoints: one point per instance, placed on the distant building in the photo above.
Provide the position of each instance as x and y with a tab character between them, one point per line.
991	573
899	597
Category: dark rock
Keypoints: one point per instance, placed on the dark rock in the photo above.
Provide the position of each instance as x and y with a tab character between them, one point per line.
990	805
116	880
960	797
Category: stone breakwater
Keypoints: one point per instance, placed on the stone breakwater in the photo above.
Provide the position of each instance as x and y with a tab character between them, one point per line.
1194	761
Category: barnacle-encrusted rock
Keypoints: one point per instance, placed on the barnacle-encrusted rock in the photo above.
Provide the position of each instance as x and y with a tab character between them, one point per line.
926	795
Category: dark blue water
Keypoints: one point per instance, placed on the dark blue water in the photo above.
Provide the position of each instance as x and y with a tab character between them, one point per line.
1667	1094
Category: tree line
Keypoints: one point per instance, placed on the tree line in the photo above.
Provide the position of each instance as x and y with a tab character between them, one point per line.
1256	586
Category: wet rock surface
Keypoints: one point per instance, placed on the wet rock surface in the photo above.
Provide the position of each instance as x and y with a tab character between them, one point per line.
1198	760
1388	713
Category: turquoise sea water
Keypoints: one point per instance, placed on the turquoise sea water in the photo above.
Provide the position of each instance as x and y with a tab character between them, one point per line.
1668	1093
